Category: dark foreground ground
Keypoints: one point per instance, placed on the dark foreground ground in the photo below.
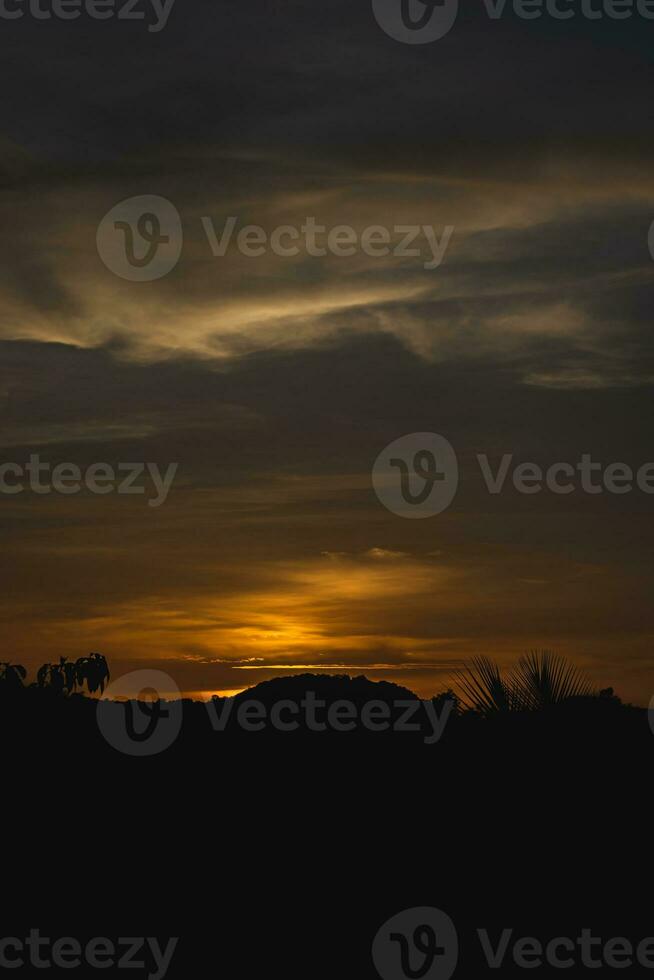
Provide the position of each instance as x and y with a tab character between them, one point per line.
282	853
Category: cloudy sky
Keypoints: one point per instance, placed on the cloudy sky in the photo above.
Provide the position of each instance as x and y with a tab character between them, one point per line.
275	381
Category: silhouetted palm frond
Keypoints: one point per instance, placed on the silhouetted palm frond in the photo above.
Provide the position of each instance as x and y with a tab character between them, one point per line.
483	688
542	678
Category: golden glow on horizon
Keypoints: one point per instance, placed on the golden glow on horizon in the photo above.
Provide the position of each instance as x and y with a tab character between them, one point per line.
346	667
313	608
207	695
335	613
386	613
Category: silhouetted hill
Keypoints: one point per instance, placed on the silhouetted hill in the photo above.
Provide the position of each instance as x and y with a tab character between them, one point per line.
327	687
328	711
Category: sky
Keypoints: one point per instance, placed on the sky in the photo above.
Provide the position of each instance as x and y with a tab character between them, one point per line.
274	382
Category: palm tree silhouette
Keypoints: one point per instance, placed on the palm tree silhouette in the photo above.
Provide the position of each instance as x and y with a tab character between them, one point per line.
539	680
12	675
94	670
483	688
543	679
56	677
66	677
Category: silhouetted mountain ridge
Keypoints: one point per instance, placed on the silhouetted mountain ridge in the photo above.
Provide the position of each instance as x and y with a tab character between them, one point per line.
326	687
